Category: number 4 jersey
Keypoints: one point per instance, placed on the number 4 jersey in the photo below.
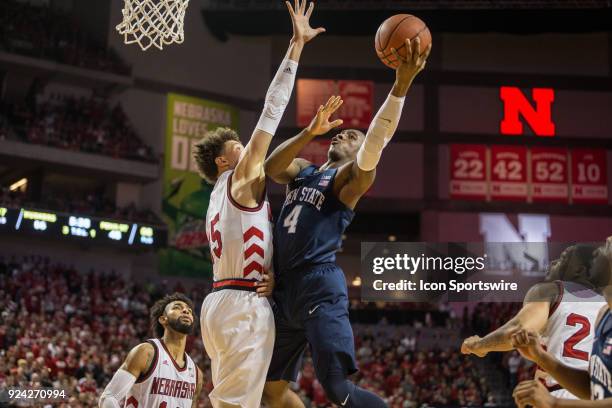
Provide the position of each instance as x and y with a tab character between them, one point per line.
310	226
570	329
240	238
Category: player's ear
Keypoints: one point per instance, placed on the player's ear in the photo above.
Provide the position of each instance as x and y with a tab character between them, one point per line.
163	319
221	161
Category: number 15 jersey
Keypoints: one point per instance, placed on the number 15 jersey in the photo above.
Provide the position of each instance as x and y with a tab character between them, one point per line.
311	223
240	238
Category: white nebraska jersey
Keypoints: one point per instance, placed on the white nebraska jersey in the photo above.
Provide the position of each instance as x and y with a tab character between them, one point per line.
571	325
165	385
240	238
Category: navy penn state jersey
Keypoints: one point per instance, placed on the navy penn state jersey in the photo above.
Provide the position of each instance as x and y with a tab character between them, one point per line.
600	362
311	223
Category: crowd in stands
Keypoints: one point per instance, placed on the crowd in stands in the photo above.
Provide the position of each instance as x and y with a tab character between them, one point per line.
78	203
88	125
72	330
40	31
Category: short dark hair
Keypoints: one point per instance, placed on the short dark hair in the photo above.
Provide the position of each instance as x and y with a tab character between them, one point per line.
158	310
211	147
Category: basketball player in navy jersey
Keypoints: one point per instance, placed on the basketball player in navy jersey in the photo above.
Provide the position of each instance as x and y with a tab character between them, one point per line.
311	294
594	385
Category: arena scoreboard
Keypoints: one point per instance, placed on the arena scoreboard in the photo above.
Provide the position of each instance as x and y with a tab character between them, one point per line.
60	226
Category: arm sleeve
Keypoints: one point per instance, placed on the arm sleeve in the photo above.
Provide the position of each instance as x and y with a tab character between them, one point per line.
278	96
380	132
117	389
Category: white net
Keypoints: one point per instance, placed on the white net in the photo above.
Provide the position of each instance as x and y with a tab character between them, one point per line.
153	22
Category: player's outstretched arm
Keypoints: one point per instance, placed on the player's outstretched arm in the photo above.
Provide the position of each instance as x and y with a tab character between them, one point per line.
138	361
384	124
282	165
576	381
248	179
532	316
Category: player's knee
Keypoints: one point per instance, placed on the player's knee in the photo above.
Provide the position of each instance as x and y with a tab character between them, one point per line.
337	389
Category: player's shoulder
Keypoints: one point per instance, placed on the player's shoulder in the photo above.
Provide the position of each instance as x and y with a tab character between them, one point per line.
601	314
144	353
544	292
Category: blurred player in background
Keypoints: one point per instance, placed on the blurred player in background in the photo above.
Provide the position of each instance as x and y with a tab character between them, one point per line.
563	309
311	295
158	373
595	384
237	322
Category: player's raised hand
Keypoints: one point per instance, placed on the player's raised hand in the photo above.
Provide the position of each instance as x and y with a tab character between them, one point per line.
413	63
528	344
533	393
469	346
320	124
300	17
265	287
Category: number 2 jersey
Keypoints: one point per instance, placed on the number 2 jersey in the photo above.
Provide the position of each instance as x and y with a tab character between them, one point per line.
240	238
311	223
165	384
571	325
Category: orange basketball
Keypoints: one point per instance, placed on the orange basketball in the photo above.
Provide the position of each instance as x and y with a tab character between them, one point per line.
393	33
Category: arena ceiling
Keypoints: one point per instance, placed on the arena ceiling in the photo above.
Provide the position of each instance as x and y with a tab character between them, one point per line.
362	17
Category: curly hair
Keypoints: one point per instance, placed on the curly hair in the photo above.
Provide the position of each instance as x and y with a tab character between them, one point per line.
209	148
158	310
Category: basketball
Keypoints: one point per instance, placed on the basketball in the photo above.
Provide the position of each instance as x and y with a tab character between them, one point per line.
393	33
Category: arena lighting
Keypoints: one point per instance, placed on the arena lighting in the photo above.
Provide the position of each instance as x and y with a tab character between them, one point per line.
18	184
357	281
392	238
538	115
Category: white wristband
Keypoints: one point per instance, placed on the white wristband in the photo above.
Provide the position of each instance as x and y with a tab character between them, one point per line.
380	132
277	97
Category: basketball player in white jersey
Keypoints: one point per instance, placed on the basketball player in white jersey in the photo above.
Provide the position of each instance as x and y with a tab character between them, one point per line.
158	373
563	310
238	324
595	386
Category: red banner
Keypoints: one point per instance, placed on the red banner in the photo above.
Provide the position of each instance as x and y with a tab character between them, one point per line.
356	111
589	176
468	176
509	173
549	174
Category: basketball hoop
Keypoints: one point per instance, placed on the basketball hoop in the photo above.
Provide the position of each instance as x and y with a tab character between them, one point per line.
153	22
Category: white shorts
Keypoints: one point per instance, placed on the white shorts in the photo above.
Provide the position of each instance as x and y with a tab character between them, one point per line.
238	334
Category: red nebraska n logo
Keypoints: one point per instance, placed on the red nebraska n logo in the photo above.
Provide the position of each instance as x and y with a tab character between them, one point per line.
538	118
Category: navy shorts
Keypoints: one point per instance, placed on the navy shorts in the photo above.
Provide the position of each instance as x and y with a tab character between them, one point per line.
311	307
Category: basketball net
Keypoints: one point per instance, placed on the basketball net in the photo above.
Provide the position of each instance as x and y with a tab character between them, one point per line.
153	22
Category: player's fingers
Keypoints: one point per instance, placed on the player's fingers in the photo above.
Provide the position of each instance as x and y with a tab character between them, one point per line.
320	30
416	49
408	45
396	54
427	52
336	123
296	5
303	7
310	8
338	104
288	4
